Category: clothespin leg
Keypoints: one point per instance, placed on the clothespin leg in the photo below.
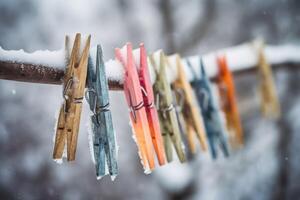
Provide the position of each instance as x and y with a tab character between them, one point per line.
110	147
212	145
191	139
168	147
224	147
102	157
60	136
178	147
81	73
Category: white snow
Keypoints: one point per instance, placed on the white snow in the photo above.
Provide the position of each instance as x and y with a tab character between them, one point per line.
172	68
114	70
244	56
174	176
46	57
90	138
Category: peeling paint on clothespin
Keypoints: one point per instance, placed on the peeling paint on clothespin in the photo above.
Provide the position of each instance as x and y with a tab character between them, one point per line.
166	110
134	97
150	107
215	131
104	142
229	104
270	106
190	109
73	91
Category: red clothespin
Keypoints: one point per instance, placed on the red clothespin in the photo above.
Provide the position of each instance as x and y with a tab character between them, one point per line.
150	106
134	97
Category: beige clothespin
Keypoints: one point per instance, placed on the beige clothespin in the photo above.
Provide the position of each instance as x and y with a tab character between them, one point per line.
270	106
190	110
73	92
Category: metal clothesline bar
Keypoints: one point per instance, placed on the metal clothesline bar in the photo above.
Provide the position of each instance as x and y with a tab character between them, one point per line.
32	73
242	59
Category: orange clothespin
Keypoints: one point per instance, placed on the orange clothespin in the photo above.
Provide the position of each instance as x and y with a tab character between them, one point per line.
134	97
229	105
73	92
150	108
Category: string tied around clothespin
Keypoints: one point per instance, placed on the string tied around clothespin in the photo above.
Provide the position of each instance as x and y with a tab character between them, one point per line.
96	109
134	108
171	106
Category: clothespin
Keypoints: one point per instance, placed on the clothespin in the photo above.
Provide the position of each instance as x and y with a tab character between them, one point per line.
178	106
150	108
229	105
73	91
191	112
270	106
104	143
214	128
166	109
138	116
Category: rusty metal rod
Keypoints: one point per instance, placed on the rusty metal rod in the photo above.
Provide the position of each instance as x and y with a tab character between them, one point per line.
38	74
50	75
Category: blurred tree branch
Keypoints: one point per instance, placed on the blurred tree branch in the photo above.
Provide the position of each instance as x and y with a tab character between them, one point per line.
167	25
198	30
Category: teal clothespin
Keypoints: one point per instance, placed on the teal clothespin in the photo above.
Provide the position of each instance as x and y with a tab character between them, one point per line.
210	112
104	143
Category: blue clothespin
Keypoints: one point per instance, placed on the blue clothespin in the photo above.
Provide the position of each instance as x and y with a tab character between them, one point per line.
210	112
104	143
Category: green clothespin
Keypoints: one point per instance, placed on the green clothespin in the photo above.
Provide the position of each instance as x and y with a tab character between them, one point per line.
166	109
104	143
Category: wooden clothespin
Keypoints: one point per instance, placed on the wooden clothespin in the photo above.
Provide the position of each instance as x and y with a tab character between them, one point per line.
138	116
192	116
150	108
165	104
214	129
178	106
104	143
270	106
229	105
73	91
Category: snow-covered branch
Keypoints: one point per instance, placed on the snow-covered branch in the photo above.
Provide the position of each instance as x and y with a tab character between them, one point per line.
48	66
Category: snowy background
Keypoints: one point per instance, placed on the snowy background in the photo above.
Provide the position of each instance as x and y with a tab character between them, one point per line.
266	168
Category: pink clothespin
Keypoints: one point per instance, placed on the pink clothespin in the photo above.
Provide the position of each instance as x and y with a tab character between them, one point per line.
134	97
150	106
